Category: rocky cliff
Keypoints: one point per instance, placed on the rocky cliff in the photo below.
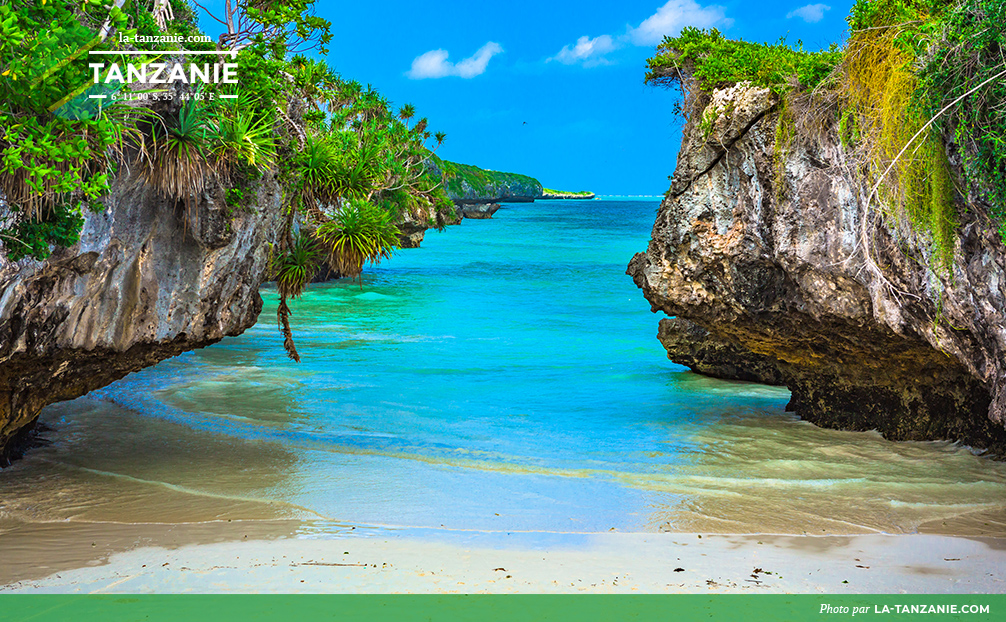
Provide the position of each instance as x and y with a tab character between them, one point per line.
775	271
471	185
148	280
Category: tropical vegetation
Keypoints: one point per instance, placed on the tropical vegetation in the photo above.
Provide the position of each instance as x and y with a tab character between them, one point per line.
714	61
548	191
917	84
462	179
349	164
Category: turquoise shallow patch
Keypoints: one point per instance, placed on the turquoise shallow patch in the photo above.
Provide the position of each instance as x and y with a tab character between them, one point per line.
504	377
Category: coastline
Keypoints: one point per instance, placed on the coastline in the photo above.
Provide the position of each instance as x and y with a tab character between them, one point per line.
568	196
291	557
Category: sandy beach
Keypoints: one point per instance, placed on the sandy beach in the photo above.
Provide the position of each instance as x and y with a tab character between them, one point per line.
286	557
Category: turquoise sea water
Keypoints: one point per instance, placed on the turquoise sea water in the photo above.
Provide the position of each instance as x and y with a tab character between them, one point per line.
503	377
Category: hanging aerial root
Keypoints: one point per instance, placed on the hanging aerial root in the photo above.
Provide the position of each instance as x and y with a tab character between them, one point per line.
283	314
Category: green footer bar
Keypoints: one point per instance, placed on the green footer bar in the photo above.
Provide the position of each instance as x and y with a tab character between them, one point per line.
486	608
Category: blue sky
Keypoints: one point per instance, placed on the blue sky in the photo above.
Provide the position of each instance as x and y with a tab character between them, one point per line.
552	89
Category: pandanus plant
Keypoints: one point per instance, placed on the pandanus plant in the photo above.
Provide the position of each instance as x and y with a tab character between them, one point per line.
179	168
360	233
293	269
241	135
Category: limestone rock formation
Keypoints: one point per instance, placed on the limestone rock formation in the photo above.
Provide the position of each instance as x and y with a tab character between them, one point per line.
148	280
480	211
776	272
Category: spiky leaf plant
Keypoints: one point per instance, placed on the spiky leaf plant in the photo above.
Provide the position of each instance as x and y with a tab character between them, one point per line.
357	174
362	232
180	169
318	162
293	269
243	138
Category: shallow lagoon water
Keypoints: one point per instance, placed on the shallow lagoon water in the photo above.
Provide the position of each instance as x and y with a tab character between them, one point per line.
504	377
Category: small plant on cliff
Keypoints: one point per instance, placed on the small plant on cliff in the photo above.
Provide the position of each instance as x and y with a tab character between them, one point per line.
317	164
240	134
32	238
714	61
180	167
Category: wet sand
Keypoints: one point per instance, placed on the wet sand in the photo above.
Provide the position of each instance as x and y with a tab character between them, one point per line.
290	557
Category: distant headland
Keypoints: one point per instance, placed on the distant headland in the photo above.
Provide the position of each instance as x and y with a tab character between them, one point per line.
548	193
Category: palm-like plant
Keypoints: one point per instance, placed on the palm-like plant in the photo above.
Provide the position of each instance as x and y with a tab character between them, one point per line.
407	112
293	270
180	168
243	137
316	82
318	162
361	232
357	174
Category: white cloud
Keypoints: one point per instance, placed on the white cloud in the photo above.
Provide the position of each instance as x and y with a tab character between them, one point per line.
668	20
590	51
812	13
434	64
673	16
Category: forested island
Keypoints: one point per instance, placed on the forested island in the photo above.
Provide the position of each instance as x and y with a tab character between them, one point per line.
549	193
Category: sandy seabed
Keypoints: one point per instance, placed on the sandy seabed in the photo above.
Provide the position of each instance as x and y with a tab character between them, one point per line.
308	557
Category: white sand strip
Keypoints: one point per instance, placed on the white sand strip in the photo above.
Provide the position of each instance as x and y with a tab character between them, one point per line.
389	561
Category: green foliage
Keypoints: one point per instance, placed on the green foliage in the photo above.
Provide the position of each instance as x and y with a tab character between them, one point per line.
234	197
361	232
180	166
968	50
785	132
874	14
357	174
880	91
462	178
848	129
55	146
318	162
32	238
547	191
287	26
716	61
241	133
295	268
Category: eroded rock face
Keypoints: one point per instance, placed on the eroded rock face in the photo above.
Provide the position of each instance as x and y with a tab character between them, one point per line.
693	346
479	212
148	280
764	266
